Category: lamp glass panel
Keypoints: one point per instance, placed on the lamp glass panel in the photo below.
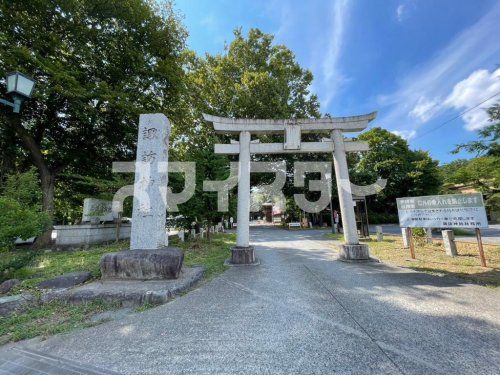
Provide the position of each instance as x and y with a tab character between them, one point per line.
11	82
24	85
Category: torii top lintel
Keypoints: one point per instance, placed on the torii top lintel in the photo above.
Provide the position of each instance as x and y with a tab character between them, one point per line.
326	124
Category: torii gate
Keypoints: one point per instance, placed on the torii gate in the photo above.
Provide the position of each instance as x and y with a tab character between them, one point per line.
292	129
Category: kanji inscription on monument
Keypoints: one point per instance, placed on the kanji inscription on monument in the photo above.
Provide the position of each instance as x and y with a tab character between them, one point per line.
150	187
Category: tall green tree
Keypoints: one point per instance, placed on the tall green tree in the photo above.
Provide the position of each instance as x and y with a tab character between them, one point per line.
408	172
252	78
98	64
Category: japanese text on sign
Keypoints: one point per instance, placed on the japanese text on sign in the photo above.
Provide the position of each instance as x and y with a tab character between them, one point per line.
442	211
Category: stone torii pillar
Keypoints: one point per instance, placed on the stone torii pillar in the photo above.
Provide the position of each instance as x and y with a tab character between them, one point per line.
243	228
352	249
243	252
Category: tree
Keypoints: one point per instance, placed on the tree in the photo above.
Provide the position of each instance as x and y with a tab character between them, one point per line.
408	172
481	174
98	64
449	169
252	78
488	144
424	174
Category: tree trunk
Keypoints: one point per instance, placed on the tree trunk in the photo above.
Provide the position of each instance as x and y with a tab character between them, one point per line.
208	230
48	185
47	178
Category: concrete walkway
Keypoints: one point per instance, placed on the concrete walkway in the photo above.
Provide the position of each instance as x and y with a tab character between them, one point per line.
303	312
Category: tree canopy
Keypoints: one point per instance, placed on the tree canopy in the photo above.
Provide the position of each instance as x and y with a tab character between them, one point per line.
98	64
480	173
408	172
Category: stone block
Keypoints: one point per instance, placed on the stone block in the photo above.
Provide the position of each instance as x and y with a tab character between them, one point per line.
380	233
405	232
74	236
127	292
96	210
17	303
354	252
7	285
449	243
428	235
67	280
243	255
146	264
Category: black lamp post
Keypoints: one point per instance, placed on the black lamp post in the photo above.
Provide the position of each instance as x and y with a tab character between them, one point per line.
20	87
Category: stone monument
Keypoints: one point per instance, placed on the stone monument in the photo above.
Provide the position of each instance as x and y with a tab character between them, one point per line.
149	213
149	256
97	210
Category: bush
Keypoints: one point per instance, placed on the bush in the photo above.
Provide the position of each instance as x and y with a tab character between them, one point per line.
17	221
24	188
382	218
20	209
419	236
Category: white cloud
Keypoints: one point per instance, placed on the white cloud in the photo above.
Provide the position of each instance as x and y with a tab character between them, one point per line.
332	78
210	21
286	17
400	12
416	99
336	34
403	10
424	109
325	30
471	91
406	134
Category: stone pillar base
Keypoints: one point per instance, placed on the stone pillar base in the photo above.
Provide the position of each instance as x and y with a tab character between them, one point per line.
243	255
148	264
358	252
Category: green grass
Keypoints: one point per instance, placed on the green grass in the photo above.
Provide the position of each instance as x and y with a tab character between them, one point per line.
335	236
49	319
463	232
209	252
33	266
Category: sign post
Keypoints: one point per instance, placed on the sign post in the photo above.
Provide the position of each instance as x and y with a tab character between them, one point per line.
412	243
444	211
480	245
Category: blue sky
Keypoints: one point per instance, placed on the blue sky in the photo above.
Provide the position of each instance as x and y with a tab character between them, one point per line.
418	63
